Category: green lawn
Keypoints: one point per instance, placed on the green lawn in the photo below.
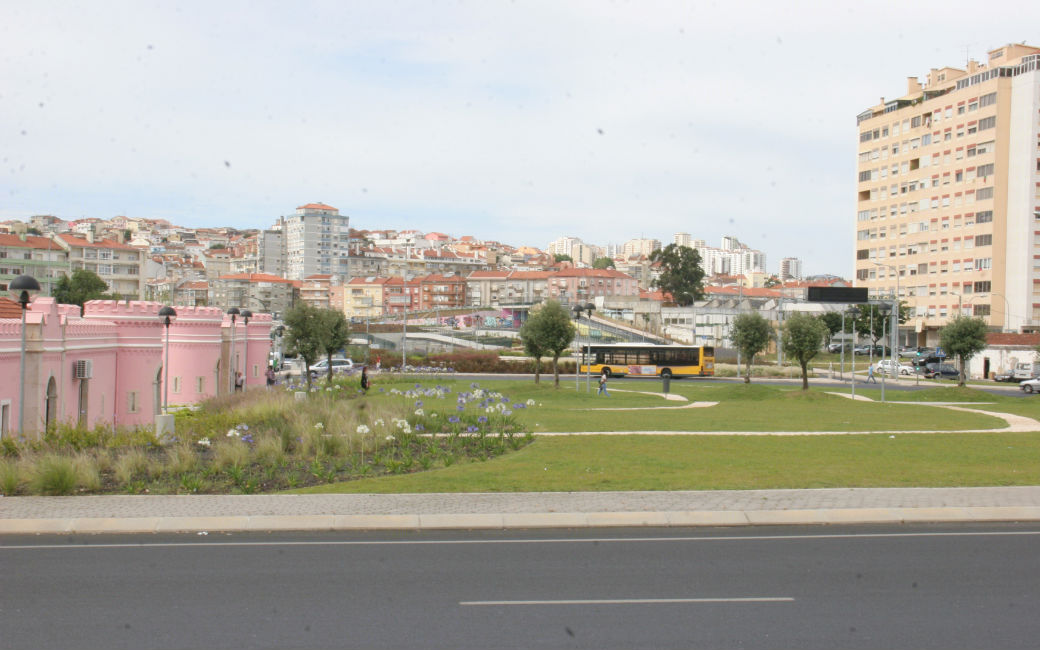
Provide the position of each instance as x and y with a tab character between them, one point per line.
595	463
662	462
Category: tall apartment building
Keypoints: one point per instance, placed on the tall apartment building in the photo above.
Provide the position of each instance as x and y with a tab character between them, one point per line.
683	239
790	268
948	199
640	247
317	241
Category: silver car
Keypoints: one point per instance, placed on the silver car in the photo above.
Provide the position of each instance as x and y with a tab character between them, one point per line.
1030	385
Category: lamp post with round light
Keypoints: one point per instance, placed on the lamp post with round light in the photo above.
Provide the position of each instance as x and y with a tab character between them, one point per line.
22	288
854	314
166	316
232	367
246	315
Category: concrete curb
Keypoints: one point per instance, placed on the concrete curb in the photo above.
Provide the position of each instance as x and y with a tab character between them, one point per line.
473	521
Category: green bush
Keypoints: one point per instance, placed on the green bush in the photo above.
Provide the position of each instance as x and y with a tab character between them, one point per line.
10	477
53	475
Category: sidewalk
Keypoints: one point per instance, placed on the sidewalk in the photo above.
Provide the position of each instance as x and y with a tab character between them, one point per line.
153	514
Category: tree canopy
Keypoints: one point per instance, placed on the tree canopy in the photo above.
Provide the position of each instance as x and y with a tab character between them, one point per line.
551	330
83	286
603	263
751	333
304	335
562	257
335	330
681	273
802	338
963	337
532	346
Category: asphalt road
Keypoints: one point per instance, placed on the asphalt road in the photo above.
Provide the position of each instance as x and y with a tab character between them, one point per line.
967	586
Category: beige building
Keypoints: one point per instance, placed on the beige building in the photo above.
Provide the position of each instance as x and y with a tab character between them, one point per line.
119	265
948	200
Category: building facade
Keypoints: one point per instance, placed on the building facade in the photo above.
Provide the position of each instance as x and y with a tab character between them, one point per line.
948	196
317	240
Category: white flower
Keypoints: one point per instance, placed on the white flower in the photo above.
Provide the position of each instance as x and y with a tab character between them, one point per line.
204	442
319	426
379	422
390	438
433	415
233	433
490	409
362	429
530	402
419	412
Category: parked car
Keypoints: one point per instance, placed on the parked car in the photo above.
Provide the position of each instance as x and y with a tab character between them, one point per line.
890	367
1030	385
836	347
338	365
1004	376
941	371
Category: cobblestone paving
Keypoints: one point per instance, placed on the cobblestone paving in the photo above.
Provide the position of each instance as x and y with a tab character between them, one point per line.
537	502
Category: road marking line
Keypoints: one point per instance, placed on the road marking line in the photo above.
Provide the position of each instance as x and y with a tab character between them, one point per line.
583	540
625	601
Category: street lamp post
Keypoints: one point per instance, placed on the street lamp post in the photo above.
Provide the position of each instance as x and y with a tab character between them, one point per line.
246	315
167	315
22	288
232	368
883	312
854	313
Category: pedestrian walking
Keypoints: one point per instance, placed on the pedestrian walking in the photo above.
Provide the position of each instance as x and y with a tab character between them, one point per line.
870	374
240	381
270	377
364	379
603	385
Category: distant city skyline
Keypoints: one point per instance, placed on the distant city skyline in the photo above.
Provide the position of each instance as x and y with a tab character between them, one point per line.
519	122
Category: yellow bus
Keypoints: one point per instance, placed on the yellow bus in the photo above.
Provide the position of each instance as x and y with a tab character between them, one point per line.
648	360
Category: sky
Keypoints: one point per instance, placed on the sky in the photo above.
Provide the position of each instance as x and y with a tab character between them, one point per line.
518	121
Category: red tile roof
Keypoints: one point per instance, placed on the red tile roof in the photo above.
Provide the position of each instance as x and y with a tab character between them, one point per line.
9	308
81	242
255	277
31	241
315	206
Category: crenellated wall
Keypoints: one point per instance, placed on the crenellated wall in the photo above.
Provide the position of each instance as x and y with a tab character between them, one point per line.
124	342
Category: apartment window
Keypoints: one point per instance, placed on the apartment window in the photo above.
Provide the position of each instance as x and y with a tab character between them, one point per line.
981	310
984	193
983	264
985	170
131	402
983	286
985	216
987	100
987	123
983	240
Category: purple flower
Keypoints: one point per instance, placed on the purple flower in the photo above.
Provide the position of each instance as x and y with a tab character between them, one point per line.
471	429
418	403
460	407
519	405
482	419
453	419
420	427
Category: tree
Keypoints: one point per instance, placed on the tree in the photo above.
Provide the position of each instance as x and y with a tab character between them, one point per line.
872	323
335	331
963	337
772	281
84	285
552	331
681	273
562	257
832	319
802	338
532	347
603	263
751	333
304	335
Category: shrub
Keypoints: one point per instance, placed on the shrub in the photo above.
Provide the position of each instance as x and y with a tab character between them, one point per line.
88	476
130	464
232	453
53	475
10	477
181	459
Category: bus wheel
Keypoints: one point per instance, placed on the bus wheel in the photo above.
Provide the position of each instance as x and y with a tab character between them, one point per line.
666	373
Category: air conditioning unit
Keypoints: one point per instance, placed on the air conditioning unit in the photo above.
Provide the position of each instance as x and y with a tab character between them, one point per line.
83	369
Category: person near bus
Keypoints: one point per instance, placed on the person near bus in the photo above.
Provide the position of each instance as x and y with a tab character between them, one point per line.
603	384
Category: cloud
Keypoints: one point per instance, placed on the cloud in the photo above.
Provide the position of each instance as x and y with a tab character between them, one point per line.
513	121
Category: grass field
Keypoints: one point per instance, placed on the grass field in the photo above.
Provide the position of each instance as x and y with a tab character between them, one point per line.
663	462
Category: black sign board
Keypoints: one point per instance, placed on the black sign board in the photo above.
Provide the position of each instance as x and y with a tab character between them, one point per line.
838	294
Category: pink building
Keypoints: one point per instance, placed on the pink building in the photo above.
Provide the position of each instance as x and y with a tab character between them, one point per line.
106	366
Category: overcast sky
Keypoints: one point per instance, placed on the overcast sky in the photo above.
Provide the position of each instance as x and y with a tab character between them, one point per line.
518	121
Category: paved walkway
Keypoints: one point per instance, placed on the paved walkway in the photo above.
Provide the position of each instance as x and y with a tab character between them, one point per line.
134	514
